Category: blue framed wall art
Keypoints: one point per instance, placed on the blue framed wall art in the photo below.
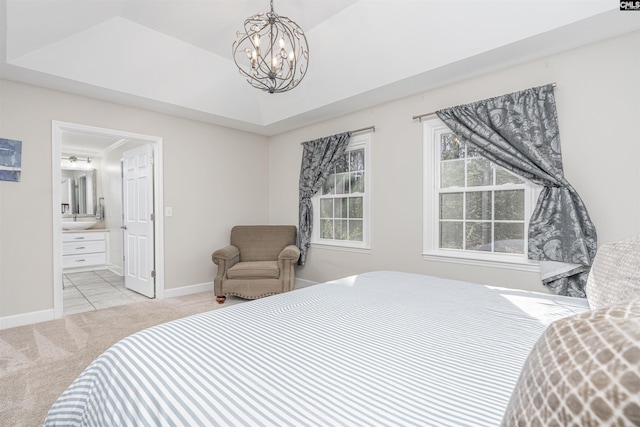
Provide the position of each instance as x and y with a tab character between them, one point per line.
10	160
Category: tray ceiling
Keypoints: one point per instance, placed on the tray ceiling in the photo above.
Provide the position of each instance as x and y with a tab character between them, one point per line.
174	56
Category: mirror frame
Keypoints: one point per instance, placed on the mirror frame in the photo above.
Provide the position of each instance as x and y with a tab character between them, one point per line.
90	197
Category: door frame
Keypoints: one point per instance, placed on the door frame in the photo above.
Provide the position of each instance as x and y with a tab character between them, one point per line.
57	128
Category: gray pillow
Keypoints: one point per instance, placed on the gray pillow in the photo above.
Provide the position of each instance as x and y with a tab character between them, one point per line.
583	371
615	274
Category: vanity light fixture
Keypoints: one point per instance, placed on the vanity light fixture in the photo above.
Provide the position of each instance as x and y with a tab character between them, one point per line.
273	52
73	162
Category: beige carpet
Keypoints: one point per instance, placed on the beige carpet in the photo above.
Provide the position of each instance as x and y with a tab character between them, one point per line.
38	362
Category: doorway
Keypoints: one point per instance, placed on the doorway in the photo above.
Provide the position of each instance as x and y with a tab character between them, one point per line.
107	141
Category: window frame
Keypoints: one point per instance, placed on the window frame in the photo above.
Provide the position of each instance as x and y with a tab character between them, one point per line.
356	142
432	130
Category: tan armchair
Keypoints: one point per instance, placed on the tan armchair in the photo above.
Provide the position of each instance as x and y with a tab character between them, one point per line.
260	261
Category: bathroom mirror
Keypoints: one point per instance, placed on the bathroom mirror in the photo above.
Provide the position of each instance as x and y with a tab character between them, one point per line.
78	195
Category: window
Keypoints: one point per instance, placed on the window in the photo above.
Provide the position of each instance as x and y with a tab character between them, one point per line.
341	207
474	209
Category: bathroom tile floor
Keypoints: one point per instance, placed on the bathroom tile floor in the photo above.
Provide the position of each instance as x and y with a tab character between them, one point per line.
93	290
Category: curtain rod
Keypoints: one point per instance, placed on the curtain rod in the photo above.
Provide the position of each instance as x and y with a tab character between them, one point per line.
371	128
420	116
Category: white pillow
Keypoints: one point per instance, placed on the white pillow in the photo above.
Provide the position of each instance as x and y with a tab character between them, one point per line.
615	275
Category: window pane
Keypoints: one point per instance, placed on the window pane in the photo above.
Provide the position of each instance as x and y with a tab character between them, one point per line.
341	231
356	160
342	165
341	200
326	229
479	172
478	236
471	151
451	235
450	147
509	205
342	183
503	176
355	230
326	208
329	185
451	206
509	237
357	182
479	205
452	174
355	207
340	205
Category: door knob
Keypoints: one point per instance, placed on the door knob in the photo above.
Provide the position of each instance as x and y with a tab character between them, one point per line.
124	227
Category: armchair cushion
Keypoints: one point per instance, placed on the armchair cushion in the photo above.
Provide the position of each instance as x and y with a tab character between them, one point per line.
254	270
262	242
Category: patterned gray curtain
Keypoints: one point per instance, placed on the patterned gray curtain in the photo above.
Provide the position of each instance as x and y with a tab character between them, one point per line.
318	161
519	132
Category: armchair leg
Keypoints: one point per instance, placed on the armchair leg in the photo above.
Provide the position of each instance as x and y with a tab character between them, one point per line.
220	299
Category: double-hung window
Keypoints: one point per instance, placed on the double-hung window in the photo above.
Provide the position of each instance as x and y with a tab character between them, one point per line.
341	207
474	210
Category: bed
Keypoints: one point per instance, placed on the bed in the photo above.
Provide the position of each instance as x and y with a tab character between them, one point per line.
381	348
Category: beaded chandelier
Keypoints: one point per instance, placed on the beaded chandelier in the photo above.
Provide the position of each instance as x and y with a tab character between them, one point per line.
272	52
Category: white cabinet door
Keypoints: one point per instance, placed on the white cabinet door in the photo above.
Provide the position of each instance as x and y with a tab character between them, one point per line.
137	197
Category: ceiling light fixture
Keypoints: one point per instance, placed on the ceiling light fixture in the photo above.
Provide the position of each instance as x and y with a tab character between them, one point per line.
273	52
74	162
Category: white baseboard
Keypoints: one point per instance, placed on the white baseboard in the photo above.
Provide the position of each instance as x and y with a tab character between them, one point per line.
116	269
44	315
208	286
303	283
188	290
85	269
26	319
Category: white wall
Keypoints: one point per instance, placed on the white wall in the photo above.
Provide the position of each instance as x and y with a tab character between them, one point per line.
598	101
214	178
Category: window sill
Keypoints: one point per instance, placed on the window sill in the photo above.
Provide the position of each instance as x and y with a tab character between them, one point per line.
496	261
341	248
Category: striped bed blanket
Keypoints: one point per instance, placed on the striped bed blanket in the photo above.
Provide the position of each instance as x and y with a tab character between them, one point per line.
381	348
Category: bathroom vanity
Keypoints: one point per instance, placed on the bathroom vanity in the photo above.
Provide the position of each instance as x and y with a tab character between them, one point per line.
86	249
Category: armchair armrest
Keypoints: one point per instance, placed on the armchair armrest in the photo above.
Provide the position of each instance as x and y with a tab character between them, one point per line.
291	252
225	254
224	258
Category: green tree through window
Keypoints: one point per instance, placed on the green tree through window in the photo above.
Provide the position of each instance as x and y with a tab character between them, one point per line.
477	213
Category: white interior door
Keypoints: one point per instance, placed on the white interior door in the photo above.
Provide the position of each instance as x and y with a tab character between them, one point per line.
137	200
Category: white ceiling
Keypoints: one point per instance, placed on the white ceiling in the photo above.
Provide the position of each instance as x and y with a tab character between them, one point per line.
87	143
174	56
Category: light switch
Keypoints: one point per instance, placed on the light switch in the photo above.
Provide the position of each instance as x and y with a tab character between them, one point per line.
168	211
